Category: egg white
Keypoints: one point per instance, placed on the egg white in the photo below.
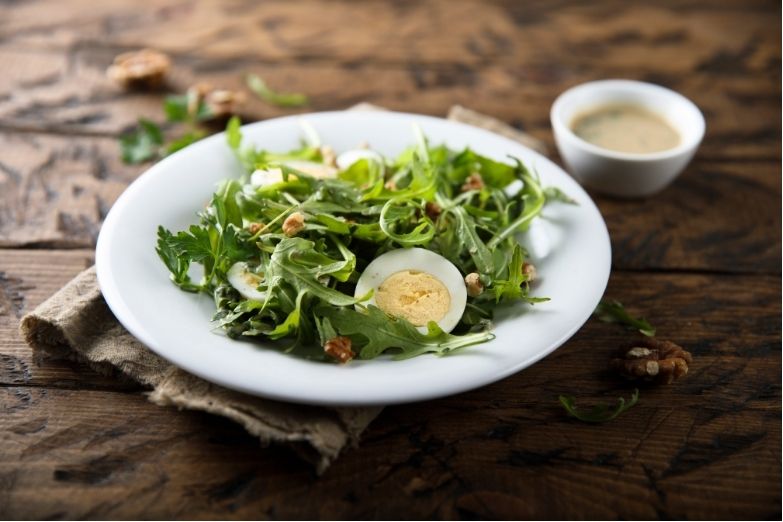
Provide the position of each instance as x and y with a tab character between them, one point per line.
245	281
421	260
272	175
349	157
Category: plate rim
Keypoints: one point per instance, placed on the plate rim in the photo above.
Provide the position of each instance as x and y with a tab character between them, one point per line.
125	316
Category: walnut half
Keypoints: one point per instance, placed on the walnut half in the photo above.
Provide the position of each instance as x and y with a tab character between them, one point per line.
653	360
139	69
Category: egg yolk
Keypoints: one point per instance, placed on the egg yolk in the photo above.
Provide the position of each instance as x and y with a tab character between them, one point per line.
417	296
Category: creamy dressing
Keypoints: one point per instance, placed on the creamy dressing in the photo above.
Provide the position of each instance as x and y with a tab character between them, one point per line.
625	128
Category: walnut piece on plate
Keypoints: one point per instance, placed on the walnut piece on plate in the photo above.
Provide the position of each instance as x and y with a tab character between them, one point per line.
339	348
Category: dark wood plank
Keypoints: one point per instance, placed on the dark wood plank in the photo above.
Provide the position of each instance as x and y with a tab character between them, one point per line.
506	450
27	278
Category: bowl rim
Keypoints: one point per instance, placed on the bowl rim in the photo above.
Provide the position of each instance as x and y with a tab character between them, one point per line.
562	128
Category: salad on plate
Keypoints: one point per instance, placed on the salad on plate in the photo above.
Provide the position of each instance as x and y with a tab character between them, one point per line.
354	255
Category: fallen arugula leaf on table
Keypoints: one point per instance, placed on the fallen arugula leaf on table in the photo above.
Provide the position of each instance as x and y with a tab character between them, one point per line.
143	143
259	87
599	413
615	312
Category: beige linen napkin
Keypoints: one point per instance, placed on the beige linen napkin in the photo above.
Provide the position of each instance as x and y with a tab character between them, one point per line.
75	323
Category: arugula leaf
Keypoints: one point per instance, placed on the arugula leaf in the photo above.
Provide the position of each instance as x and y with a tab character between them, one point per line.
143	144
296	262
615	312
515	286
466	232
263	91
421	234
233	133
184	140
600	413
377	332
493	173
555	194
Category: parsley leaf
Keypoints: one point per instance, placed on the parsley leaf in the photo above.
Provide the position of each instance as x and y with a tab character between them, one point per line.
143	144
599	413
614	312
263	91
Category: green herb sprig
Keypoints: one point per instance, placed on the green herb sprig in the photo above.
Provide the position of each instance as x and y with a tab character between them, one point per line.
601	412
259	87
308	280
615	312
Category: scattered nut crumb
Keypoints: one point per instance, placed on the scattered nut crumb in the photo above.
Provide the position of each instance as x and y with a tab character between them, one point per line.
328	155
432	210
293	224
473	182
474	285
529	269
254	228
650	359
139	69
339	348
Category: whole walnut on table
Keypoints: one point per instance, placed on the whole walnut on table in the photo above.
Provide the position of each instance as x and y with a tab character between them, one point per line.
653	360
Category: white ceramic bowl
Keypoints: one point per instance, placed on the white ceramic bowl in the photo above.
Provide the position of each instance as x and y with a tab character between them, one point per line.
621	173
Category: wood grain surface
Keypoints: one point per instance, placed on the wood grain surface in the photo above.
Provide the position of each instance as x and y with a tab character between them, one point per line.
701	260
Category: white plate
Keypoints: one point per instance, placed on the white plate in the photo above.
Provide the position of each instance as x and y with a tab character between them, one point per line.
570	243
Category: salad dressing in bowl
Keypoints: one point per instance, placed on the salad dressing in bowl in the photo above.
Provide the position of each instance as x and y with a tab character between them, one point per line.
625	128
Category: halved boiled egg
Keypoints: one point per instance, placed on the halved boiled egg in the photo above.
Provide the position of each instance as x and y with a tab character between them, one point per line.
264	177
246	281
416	284
349	157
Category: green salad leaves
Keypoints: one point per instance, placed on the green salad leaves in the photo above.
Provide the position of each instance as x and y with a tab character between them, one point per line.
299	240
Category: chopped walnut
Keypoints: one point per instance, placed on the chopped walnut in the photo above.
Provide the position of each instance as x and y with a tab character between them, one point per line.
328	155
293	224
473	182
653	360
432	210
254	228
390	185
339	348
529	269
144	68
474	285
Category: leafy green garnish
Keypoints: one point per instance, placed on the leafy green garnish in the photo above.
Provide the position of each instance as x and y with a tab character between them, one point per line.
142	144
615	312
184	140
555	194
599	413
176	108
375	332
263	91
307	276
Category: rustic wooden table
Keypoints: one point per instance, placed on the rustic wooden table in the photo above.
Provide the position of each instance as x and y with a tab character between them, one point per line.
702	261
